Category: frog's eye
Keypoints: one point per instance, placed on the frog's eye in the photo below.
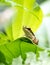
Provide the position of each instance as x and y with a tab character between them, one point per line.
28	28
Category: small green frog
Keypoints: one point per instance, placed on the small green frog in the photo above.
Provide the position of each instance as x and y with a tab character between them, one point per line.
29	34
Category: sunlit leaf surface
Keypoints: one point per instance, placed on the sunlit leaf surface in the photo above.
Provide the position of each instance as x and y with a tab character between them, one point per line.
29	15
18	47
13	44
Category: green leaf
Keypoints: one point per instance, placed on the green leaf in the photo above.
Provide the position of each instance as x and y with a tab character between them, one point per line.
2	0
2	64
3	38
25	15
2	58
16	48
25	3
4	3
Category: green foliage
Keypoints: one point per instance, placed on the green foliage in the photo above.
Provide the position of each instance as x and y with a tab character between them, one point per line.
16	48
27	13
41	1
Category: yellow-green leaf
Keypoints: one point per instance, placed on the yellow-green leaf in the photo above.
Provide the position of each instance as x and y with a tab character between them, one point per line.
25	15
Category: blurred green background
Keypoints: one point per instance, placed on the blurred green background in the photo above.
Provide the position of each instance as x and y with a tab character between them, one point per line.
43	33
41	1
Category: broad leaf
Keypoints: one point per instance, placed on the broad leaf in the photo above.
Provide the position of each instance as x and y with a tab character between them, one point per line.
25	15
3	38
2	58
16	48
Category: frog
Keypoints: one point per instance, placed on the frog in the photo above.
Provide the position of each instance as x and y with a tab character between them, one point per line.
30	35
